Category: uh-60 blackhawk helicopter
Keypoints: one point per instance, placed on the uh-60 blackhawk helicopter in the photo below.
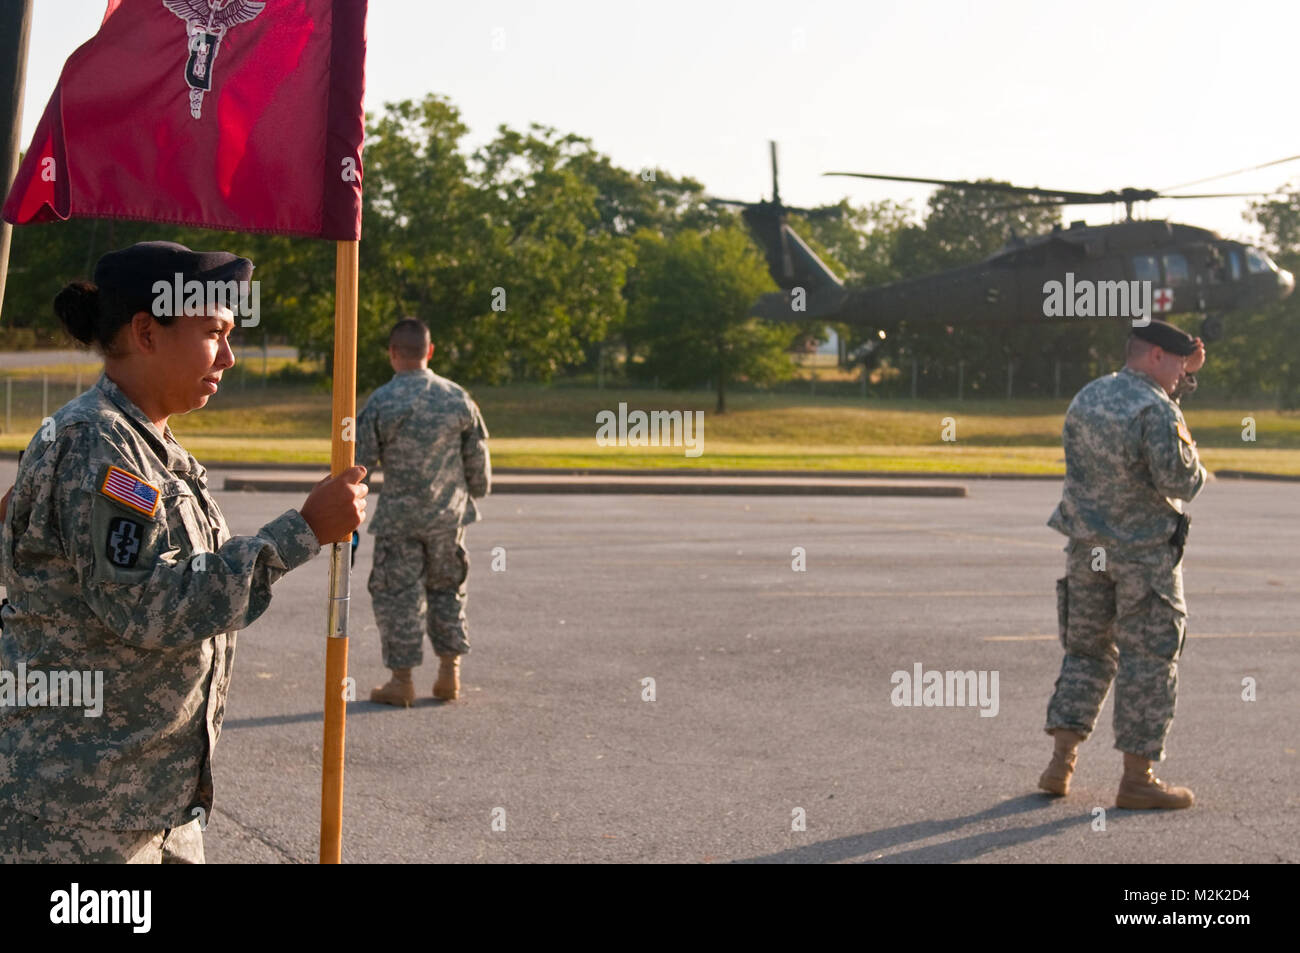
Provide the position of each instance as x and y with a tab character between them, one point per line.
1131	270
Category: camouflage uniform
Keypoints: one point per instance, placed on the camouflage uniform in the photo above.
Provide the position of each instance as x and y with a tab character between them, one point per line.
430	438
25	840
136	577
1129	459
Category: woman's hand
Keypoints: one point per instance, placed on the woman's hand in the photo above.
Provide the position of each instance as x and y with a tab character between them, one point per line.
336	506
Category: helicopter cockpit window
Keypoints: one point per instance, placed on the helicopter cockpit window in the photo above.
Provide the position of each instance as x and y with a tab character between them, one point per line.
1234	264
1257	262
1146	268
1175	270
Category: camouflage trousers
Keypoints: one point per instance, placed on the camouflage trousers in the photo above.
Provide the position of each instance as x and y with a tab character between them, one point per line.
417	585
1122	620
29	840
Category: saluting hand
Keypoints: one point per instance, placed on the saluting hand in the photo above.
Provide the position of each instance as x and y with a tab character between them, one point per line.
1195	360
336	506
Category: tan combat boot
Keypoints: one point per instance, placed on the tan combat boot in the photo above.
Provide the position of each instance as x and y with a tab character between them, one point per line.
400	690
447	687
1140	789
1056	779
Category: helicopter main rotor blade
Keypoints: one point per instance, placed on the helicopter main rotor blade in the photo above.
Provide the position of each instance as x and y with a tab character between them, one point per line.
1055	203
1215	178
1058	203
1217	195
825	211
1081	198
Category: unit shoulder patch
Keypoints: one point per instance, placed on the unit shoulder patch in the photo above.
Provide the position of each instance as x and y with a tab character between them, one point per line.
122	545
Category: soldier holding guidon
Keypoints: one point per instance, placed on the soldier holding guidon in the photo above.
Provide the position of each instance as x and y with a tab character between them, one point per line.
118	561
1130	462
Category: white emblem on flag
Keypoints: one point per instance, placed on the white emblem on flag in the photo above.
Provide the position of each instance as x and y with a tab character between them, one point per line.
206	23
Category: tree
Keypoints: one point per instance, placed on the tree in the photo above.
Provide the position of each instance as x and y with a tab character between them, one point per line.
501	253
1259	351
689	301
647	199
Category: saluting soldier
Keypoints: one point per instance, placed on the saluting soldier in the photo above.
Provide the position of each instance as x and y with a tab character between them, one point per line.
118	561
1130	462
428	436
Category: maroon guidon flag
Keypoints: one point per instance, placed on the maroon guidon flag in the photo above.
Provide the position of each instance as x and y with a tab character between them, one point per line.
235	114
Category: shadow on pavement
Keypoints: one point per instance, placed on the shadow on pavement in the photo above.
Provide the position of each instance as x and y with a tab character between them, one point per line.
861	847
354	709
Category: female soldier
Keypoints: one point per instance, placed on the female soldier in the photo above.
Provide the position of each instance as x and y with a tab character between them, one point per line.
124	582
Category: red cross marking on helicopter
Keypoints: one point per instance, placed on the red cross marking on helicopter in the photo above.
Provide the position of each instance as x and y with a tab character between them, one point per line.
1163	299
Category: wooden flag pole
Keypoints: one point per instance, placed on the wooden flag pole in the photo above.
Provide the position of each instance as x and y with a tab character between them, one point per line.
342	455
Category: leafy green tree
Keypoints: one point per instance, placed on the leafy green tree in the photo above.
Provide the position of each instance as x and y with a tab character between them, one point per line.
690	296
857	242
43	258
629	201
1259	352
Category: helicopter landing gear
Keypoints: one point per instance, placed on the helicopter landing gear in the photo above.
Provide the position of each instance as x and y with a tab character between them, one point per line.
1211	328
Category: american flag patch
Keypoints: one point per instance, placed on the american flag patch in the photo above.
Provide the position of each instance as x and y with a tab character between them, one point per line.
130	490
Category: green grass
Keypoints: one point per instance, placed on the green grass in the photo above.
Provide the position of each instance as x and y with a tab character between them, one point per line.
537	426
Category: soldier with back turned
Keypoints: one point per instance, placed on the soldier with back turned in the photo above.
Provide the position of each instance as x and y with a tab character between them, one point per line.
429	437
1130	464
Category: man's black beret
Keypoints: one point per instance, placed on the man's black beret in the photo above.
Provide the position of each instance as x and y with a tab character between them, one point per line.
132	272
1172	339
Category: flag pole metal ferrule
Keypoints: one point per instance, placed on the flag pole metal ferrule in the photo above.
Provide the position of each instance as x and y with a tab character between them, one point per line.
340	589
342	455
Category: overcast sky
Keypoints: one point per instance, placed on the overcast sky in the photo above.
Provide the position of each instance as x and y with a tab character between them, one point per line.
1091	95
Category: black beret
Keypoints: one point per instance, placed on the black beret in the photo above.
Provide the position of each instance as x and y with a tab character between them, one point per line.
132	272
1172	339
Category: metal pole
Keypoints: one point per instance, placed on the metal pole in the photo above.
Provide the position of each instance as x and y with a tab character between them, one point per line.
15	28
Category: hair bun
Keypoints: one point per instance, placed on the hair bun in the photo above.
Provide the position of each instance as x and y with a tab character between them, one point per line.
77	306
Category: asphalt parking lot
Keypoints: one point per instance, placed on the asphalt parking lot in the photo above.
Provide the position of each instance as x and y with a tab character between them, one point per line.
771	691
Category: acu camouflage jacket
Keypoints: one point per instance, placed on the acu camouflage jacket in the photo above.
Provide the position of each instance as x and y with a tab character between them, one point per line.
117	560
1129	461
429	436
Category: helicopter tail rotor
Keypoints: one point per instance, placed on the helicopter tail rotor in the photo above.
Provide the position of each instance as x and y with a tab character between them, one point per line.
792	264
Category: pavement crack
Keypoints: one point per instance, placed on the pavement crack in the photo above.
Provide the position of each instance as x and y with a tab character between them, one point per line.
285	855
1277	858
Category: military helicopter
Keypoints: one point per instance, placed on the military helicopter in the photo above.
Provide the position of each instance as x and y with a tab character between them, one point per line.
1072	273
